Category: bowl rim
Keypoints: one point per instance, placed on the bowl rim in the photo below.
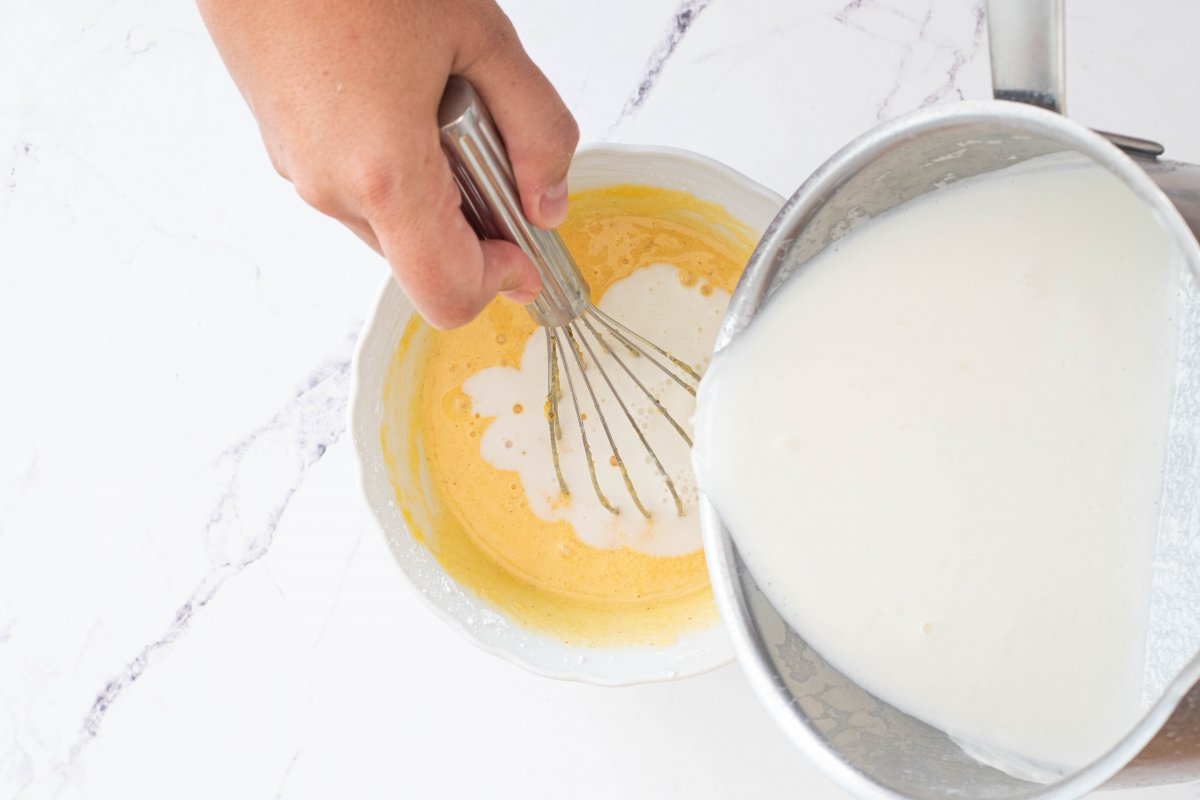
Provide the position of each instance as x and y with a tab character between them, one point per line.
362	395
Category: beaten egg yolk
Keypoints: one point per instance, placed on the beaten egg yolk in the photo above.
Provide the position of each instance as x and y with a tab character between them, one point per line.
481	531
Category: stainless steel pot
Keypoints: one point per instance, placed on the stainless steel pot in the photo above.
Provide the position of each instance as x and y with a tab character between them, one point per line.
871	748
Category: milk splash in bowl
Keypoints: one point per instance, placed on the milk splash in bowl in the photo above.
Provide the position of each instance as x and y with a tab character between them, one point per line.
660	303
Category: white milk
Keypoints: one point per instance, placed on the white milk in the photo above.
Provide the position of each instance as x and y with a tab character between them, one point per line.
938	449
654	303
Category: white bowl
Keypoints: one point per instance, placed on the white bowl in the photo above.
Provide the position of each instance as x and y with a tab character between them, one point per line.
691	653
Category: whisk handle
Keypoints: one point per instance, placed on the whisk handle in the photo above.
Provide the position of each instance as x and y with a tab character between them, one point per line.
492	205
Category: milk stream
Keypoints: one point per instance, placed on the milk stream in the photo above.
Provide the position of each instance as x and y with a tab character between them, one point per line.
684	320
939	447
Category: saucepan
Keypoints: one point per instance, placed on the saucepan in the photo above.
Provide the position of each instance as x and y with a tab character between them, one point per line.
871	748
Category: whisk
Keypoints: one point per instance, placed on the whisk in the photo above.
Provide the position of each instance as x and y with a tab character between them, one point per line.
576	331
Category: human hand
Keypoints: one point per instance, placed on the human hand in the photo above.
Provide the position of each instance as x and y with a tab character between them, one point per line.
346	96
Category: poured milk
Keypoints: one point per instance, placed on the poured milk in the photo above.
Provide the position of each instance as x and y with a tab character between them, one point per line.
519	437
938	449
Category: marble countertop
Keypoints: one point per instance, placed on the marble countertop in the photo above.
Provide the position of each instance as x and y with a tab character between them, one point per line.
194	602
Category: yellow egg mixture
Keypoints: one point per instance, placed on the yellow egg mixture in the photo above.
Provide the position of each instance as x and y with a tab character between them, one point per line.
482	531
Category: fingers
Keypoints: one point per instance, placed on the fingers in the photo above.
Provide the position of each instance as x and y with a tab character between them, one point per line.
509	272
367	153
539	132
435	256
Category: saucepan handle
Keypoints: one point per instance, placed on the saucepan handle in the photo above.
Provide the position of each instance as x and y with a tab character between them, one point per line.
1028	50
1027	42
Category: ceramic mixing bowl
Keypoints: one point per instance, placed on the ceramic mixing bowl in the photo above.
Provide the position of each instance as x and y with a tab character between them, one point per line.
691	653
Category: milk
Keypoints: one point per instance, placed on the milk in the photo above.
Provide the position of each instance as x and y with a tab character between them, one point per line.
938	449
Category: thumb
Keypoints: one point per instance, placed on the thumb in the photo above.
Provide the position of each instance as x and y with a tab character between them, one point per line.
539	132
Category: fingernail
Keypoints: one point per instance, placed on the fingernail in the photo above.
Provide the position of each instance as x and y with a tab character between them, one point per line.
554	205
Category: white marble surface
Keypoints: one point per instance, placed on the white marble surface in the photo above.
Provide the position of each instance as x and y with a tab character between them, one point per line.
193	600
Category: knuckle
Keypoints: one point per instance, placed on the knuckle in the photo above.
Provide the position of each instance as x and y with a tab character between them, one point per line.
498	36
317	194
543	160
371	186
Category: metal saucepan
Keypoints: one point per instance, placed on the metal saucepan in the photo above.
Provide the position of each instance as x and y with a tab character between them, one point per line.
874	750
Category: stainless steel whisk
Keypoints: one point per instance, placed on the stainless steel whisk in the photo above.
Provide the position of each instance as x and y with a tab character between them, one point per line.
574	328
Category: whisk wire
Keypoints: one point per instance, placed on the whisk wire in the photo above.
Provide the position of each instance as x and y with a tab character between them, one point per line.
625	335
579	414
636	429
637	382
553	393
580	343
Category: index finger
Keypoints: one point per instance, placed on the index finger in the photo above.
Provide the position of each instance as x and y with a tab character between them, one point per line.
447	273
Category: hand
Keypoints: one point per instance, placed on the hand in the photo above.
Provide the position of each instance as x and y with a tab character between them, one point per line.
346	95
